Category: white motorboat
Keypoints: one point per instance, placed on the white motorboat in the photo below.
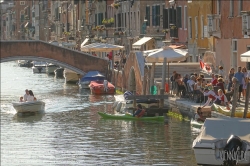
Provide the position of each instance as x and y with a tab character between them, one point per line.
24	63
39	67
223	141
30	106
90	76
70	76
50	68
59	72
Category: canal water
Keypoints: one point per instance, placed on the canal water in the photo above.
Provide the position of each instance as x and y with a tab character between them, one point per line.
70	132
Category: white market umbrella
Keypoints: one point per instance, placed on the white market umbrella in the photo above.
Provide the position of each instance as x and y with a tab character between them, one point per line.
165	55
245	57
169	53
101	47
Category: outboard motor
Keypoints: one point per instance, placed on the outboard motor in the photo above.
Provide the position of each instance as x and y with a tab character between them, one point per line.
232	151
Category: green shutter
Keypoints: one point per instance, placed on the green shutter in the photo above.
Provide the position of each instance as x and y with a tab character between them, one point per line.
96	23
178	17
22	17
174	16
56	13
170	13
165	19
158	15
148	15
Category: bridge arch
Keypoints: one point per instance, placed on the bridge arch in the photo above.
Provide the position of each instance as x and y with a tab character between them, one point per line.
77	61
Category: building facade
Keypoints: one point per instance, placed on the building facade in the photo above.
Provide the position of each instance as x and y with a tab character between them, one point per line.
199	42
235	40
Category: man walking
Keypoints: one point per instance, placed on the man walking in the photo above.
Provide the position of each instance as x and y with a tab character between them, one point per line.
240	77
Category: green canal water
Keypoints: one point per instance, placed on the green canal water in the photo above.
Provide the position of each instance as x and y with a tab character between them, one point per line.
70	132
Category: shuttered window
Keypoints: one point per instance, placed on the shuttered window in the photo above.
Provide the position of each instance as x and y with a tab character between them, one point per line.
96	23
165	19
100	18
56	13
148	15
174	16
178	17
170	13
119	21
157	15
22	18
174	32
153	15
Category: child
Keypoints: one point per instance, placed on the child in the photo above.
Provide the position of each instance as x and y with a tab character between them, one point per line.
198	115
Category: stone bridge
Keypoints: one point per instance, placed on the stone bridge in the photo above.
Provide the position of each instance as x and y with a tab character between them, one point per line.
77	61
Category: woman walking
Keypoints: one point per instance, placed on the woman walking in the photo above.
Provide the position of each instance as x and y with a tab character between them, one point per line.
230	77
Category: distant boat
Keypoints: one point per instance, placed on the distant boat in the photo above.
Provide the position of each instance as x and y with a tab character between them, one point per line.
90	76
30	106
59	72
50	68
39	67
97	88
24	63
70	76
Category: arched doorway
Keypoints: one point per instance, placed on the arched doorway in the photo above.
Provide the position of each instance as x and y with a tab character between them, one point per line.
131	80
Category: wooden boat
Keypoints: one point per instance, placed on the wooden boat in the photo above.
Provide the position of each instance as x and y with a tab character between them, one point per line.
90	76
97	88
129	117
239	112
30	106
220	137
196	124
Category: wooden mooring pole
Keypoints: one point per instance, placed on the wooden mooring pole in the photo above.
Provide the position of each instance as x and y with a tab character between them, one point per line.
235	98
247	100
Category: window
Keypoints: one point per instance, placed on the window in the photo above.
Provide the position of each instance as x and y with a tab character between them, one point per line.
202	27
190	27
165	19
148	15
178	17
231	11
185	17
158	15
234	45
240	6
22	2
196	27
218	6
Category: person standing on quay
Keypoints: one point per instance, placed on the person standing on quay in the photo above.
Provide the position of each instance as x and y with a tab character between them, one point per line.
240	77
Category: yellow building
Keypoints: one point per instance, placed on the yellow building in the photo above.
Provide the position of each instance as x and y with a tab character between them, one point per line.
199	41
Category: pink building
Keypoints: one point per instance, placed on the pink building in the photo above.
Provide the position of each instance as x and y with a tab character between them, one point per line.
230	19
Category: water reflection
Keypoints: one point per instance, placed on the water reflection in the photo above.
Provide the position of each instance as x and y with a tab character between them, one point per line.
30	117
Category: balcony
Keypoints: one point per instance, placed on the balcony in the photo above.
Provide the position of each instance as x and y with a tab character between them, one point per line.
246	22
214	25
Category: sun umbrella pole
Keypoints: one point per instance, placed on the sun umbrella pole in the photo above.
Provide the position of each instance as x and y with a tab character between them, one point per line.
163	73
112	64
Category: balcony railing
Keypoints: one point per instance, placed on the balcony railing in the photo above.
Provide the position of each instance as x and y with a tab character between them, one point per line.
214	25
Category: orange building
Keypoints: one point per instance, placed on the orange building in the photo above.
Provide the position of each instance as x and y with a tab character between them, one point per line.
231	20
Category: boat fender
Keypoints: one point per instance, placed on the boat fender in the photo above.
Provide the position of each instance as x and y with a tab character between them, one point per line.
114	105
118	107
233	145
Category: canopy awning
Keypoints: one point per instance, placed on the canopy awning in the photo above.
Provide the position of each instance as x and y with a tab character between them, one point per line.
169	53
140	42
101	47
84	42
245	57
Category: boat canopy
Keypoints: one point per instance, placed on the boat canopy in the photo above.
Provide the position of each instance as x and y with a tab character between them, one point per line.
222	128
93	76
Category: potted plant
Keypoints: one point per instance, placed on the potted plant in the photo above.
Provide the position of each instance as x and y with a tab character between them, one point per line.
115	5
94	29
121	33
98	27
116	33
165	31
104	21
